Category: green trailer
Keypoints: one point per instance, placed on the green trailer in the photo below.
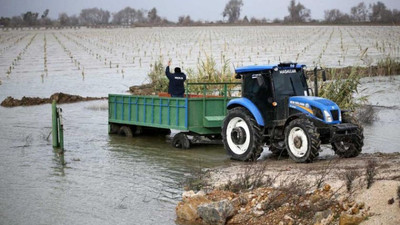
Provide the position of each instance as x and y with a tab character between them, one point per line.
200	113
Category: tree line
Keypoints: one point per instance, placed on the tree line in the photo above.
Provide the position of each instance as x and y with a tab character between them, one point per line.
297	14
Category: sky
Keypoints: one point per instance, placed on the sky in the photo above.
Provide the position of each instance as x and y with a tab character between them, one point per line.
206	10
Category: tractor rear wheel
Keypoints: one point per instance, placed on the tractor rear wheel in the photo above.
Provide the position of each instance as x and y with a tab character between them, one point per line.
241	135
302	140
351	146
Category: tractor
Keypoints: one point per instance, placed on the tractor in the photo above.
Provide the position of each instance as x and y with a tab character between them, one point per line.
277	110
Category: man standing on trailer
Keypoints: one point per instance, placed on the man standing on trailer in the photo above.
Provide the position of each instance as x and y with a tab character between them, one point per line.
176	81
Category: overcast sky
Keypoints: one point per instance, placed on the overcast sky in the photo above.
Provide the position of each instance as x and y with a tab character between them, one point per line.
210	10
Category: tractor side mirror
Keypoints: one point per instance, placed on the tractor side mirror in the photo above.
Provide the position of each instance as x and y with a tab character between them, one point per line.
260	81
323	75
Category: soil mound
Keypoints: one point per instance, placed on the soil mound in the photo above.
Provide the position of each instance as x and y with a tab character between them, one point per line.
58	97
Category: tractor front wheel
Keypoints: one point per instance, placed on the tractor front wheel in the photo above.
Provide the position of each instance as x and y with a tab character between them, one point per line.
242	137
302	140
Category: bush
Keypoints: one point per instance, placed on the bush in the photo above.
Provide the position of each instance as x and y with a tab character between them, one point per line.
370	172
341	89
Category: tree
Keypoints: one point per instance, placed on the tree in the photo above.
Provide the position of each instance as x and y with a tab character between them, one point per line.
44	20
126	16
297	13
94	16
379	13
64	20
336	16
359	13
45	13
153	17
30	18
246	20
232	10
5	21
185	20
16	21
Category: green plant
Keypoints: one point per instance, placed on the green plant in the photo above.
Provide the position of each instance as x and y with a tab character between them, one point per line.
370	172
157	76
341	89
350	176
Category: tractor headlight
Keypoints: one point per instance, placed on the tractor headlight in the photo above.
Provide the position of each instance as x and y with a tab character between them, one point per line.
328	117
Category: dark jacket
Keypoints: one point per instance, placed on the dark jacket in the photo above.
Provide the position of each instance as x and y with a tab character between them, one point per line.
176	81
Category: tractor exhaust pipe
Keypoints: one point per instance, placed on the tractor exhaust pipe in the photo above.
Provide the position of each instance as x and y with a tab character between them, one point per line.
316	69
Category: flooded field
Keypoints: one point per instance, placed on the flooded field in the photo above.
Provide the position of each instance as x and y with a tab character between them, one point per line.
115	180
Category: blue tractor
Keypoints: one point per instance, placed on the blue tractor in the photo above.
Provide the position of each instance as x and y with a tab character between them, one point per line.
277	110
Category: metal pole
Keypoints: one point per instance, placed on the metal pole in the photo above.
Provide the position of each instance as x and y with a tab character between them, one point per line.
54	124
61	129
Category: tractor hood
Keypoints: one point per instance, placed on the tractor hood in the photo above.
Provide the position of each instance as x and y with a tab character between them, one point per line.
321	109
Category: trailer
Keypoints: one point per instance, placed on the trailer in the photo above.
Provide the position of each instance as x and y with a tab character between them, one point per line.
196	116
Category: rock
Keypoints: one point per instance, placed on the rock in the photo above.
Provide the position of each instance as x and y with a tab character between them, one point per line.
216	212
361	205
391	201
258	213
239	201
355	210
288	218
315	198
319	216
346	219
187	194
187	210
258	206
327	187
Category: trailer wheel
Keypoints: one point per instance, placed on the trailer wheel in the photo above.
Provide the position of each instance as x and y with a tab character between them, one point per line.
352	146
278	148
113	128
241	135
302	140
181	141
125	131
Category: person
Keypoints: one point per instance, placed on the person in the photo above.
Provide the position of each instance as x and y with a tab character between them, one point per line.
176	81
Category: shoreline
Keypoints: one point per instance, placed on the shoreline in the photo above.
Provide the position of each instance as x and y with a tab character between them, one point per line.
325	180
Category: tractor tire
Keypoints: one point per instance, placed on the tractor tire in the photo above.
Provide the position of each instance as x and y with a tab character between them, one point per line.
302	140
352	146
180	140
125	131
241	135
278	149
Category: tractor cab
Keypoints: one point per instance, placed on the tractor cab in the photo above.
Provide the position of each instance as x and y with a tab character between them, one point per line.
269	87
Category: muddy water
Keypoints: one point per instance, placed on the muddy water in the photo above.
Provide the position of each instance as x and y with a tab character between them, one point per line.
107	179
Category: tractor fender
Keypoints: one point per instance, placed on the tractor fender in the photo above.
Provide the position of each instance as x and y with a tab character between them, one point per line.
296	116
249	105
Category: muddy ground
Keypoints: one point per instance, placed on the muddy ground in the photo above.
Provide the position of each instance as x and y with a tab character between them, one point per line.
60	98
331	190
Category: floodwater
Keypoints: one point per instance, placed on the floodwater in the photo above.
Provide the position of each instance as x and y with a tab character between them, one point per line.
109	179
106	179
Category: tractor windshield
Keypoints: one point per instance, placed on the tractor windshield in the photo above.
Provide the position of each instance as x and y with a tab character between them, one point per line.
289	84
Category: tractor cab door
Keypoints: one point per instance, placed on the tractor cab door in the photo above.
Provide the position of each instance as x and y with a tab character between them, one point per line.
287	83
258	89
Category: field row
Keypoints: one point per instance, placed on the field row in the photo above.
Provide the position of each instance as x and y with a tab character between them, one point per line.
122	57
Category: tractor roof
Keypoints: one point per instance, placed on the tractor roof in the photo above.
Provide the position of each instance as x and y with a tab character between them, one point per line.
259	68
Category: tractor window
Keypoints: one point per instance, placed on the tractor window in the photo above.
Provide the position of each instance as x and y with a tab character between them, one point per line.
288	85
